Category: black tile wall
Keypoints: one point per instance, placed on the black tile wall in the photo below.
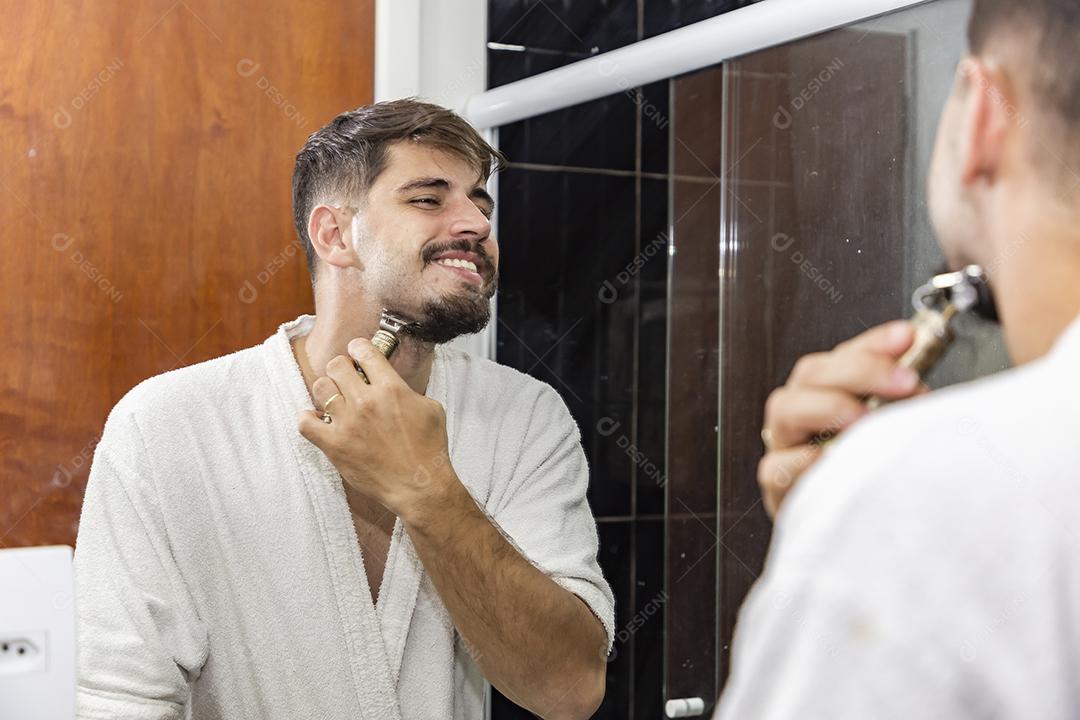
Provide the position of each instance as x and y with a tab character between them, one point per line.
664	15
653	104
508	66
650	602
583	304
599	134
569	234
652	347
566	25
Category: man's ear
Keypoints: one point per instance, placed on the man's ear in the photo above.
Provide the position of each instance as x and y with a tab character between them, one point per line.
330	230
986	121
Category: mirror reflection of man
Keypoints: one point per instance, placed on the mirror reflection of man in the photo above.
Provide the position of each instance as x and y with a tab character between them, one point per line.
238	557
925	567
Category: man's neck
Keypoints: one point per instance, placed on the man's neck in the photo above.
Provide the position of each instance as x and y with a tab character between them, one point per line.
330	337
1038	289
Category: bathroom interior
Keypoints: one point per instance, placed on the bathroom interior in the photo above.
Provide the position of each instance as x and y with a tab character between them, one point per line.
670	248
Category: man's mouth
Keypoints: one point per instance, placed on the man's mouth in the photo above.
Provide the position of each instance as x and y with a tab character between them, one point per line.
454	262
463	264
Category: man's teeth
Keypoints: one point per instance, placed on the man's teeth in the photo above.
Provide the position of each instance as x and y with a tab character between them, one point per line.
454	262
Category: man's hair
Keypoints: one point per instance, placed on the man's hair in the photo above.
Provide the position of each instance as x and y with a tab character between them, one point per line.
1045	34
345	157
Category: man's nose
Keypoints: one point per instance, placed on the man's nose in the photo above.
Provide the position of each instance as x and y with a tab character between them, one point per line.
469	220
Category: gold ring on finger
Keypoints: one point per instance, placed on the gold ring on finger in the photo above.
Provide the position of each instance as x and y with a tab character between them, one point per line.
326	416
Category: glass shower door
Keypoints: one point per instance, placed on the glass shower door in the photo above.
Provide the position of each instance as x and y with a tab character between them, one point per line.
798	220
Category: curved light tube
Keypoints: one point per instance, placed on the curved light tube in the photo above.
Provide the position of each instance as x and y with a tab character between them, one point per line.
739	32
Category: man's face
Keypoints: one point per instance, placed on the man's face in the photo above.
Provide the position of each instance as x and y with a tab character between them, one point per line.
424	244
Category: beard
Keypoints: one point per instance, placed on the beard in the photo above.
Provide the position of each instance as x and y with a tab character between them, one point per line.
449	317
464	312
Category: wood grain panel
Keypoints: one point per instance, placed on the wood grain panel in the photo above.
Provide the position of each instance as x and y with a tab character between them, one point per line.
146	151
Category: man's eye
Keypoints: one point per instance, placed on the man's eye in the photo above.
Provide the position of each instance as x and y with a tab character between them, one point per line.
430	202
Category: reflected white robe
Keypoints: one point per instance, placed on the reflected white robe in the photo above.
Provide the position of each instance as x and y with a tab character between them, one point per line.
218	569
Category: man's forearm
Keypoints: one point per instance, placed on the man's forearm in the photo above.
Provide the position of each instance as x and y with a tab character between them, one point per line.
536	642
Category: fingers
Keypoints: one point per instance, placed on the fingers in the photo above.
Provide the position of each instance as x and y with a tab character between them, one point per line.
863	366
312	427
794	416
778	471
374	364
891	338
323	391
825	394
341	371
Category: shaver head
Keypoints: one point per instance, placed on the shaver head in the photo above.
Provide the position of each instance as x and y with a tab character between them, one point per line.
390	326
967	290
385	341
393	323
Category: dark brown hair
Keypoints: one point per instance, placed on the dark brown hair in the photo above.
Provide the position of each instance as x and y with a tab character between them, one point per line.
1046	34
344	158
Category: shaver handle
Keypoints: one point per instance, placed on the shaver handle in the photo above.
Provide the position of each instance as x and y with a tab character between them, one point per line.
933	335
932	338
386	342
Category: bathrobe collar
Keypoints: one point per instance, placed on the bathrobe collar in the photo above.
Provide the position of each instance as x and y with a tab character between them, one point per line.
376	666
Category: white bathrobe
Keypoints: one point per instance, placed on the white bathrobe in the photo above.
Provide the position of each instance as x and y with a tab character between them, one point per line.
929	565
218	569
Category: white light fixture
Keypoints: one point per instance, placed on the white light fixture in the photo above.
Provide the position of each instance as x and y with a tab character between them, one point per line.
739	32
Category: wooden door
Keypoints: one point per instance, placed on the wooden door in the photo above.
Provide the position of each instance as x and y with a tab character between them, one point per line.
146	151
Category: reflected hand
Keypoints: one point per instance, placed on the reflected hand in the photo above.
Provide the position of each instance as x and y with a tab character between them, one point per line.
823	396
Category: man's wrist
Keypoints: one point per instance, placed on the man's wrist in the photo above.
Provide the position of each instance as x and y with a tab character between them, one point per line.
435	495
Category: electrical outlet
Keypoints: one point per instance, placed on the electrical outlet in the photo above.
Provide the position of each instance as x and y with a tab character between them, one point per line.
23	653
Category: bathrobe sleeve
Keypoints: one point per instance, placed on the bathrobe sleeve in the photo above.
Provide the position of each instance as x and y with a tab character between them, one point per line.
545	511
140	639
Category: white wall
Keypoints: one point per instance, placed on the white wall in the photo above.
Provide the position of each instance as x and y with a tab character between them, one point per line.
435	50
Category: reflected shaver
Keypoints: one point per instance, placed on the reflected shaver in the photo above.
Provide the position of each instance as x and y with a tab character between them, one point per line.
936	304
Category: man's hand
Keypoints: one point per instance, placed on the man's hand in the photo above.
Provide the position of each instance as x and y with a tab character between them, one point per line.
387	441
823	396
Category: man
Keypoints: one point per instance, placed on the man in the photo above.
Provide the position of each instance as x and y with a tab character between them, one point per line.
927	566
238	557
